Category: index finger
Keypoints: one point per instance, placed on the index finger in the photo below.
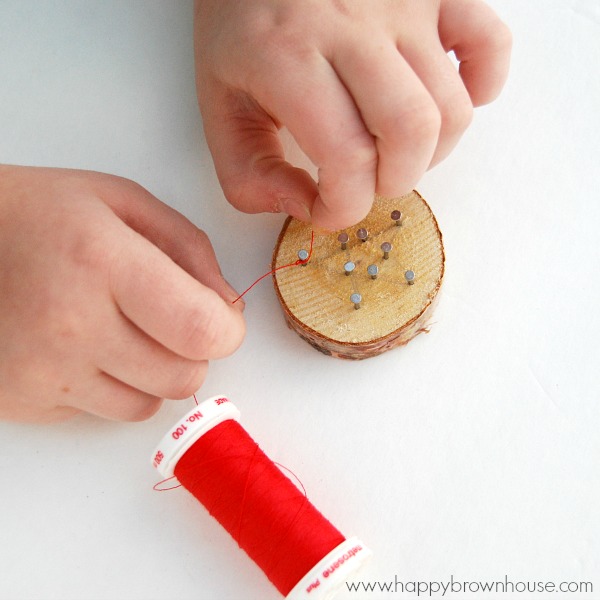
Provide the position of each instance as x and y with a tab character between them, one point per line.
310	100
171	306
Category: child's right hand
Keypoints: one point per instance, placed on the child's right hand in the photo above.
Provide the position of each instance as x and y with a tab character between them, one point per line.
365	87
109	299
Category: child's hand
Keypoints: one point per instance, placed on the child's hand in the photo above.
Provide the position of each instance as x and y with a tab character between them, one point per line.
109	299
366	89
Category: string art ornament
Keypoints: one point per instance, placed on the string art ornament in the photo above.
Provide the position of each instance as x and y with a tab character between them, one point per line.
365	290
271	519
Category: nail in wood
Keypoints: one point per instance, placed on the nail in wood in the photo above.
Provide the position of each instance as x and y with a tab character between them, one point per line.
349	267
343	240
387	248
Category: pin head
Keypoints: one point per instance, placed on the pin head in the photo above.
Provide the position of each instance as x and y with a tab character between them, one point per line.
386	247
303	255
356	299
372	270
362	234
349	267
410	277
396	216
343	239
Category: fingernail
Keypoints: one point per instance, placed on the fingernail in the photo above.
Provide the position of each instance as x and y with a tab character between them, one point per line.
295	208
231	295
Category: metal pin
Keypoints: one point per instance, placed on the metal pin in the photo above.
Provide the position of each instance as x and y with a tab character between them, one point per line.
303	256
356	299
343	239
349	267
387	248
410	277
362	234
372	270
397	216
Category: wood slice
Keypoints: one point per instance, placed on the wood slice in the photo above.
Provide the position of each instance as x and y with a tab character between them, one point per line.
316	296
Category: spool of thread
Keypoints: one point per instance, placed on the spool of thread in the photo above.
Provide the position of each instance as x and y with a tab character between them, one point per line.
297	548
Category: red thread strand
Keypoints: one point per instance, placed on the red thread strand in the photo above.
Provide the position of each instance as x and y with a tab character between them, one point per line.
261	508
294	264
158	487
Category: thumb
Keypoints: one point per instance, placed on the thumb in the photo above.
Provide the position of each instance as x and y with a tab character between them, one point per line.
249	157
185	244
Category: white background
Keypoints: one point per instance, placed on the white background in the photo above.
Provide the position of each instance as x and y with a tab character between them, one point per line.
471	452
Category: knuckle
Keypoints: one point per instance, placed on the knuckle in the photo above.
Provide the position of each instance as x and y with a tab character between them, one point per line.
231	188
420	120
278	32
192	240
238	192
196	240
456	113
240	182
125	185
200	238
284	41
501	38
90	254
109	187
279	42
357	153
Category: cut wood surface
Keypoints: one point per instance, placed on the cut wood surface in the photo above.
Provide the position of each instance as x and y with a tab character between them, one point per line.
316	297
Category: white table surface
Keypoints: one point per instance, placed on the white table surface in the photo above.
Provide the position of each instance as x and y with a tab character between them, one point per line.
473	452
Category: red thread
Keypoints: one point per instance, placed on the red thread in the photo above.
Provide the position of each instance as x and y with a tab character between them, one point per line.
158	487
294	264
261	508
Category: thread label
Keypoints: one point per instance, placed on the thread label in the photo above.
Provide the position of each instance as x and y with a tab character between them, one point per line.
191	418
179	432
329	574
158	458
190	427
341	560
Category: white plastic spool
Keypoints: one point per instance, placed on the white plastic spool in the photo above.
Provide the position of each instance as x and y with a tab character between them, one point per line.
328	576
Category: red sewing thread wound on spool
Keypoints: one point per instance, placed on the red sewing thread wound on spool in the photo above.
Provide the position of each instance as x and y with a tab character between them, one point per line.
215	459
